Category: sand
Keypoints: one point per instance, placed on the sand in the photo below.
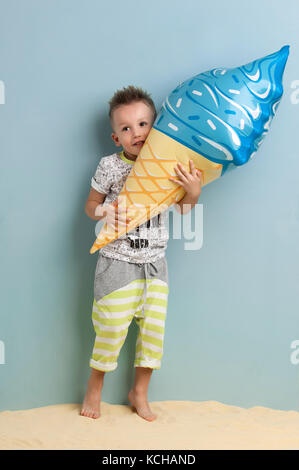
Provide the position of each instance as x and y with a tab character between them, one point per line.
179	425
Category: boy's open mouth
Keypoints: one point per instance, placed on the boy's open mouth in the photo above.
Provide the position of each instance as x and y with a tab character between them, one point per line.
139	143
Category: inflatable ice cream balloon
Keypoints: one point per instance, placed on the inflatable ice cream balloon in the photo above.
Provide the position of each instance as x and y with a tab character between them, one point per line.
218	119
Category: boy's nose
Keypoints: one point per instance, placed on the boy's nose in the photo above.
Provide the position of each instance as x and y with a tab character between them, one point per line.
137	131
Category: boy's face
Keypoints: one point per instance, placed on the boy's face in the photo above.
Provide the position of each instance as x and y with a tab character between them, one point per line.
131	124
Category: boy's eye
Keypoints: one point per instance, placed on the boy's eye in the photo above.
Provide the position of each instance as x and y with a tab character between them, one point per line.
127	127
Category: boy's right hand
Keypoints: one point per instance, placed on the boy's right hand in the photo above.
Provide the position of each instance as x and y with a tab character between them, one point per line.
116	216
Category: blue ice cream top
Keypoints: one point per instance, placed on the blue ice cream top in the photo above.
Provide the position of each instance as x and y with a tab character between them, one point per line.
224	114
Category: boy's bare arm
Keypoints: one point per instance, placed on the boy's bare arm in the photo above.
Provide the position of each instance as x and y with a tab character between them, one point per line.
191	182
115	216
186	204
93	201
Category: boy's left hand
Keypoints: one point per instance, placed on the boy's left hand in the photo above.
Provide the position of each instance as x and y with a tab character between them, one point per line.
191	182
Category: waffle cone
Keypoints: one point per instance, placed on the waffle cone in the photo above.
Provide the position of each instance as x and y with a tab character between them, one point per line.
148	190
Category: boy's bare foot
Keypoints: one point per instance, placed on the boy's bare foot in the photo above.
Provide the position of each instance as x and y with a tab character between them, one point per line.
92	399
91	404
140	403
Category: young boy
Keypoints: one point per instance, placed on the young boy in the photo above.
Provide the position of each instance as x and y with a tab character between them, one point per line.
131	276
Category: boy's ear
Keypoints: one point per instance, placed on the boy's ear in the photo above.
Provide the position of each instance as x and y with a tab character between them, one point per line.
115	139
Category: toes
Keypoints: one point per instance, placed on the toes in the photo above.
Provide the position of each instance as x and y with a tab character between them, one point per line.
90	413
151	417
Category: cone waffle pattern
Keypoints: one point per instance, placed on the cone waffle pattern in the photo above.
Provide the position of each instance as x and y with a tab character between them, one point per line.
148	190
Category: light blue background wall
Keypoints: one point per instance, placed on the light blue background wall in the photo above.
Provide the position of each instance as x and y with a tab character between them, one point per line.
233	304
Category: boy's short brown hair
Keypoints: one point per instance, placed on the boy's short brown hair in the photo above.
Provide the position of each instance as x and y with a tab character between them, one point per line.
129	95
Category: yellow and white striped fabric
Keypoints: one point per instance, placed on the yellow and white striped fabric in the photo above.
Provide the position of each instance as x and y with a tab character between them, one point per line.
142	299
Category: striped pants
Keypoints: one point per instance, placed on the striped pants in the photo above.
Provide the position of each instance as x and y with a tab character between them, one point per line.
144	299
